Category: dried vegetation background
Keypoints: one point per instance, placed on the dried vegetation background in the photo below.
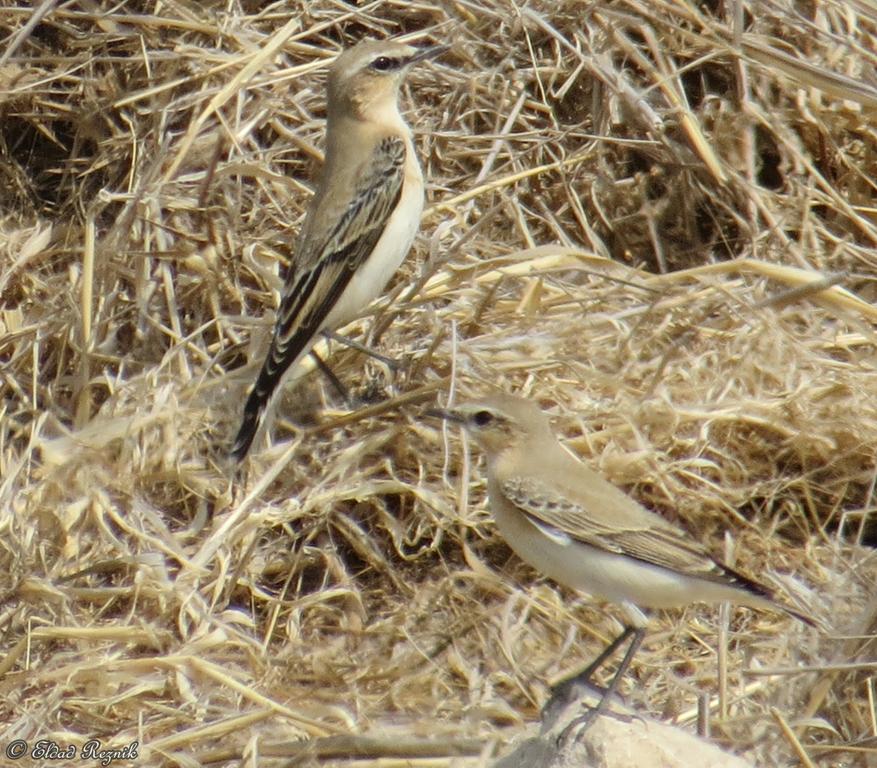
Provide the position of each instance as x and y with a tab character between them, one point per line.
657	218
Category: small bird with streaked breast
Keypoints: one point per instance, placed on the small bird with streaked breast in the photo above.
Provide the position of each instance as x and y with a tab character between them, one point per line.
361	221
585	533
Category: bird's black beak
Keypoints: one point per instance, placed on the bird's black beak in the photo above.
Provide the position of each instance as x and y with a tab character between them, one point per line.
444	413
430	52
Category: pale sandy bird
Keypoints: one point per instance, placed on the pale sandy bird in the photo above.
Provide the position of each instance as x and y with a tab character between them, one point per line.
361	221
582	531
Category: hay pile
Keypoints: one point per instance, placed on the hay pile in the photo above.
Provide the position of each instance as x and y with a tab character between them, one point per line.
657	219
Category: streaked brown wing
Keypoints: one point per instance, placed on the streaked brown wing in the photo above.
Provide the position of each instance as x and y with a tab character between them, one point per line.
309	294
660	545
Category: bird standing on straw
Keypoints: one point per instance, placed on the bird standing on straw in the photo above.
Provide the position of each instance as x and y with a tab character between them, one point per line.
361	221
585	533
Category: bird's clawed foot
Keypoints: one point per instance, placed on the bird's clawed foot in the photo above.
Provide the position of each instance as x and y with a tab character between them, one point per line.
575	728
574	687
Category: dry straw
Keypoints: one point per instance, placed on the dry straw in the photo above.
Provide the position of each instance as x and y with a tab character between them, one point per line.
656	218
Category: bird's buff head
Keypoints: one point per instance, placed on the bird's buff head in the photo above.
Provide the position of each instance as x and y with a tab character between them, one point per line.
498	422
364	80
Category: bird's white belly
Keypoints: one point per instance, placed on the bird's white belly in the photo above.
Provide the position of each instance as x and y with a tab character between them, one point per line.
389	253
603	574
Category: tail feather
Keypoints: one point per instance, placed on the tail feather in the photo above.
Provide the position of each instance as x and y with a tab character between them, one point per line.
279	359
800	616
253	410
765	593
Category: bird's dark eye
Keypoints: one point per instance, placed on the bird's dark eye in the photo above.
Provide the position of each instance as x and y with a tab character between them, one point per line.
384	64
482	418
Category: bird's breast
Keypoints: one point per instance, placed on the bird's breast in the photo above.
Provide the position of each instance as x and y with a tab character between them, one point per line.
390	250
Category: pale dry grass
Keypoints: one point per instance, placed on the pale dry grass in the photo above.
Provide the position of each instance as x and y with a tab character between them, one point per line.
657	219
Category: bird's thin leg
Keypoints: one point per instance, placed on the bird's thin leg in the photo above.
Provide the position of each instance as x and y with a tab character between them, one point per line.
333	380
581	723
392	364
588	672
567	690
